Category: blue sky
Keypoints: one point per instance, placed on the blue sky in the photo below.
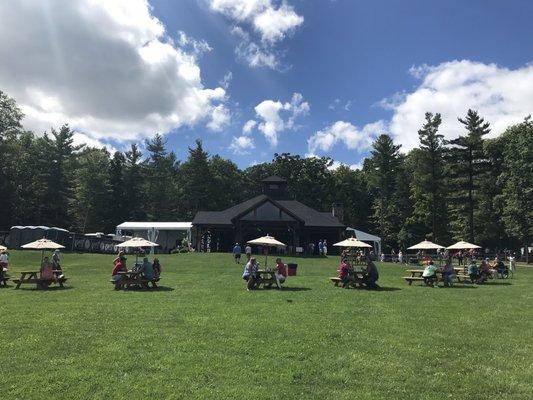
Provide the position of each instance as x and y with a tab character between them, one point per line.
359	68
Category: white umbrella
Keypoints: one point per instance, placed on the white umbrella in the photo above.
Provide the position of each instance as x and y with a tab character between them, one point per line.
137	242
426	245
42	244
462	245
2	248
267	241
352	242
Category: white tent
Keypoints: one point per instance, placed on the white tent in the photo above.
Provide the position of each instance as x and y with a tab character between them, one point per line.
367	237
163	233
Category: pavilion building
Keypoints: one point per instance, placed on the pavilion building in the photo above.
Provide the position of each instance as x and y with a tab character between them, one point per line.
273	213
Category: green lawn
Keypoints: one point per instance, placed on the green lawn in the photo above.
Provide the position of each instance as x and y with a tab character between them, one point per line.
202	336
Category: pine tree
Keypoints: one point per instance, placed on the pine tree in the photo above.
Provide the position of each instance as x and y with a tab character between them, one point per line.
133	186
467	168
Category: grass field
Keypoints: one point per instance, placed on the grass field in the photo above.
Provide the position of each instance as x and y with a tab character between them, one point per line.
202	336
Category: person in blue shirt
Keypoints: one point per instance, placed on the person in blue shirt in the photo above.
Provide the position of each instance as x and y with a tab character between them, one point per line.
237	253
147	269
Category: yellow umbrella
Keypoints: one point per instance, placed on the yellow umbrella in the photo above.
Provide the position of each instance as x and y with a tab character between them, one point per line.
268	241
42	244
426	245
462	245
352	242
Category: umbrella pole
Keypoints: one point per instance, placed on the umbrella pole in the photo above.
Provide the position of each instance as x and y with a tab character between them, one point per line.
42	256
266	257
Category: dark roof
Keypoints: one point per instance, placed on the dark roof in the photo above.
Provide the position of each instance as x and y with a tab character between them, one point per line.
273	179
300	211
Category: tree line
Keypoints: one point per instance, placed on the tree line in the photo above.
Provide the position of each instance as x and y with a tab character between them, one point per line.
471	188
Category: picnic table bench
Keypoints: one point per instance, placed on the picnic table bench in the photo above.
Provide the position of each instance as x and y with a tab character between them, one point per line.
268	278
32	277
416	275
356	277
134	279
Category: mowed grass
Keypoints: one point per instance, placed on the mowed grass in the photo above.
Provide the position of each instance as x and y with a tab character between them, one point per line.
202	336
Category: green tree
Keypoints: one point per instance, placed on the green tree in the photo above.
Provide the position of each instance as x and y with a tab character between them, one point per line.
134	185
228	183
118	212
428	189
467	168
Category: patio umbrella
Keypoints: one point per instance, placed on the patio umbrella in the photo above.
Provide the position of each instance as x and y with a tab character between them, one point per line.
2	248
42	244
462	245
268	241
352	242
426	245
137	242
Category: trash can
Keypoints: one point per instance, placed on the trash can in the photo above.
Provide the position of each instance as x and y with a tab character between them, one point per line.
292	269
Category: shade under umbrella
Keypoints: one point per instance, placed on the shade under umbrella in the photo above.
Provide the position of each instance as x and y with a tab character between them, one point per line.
267	241
426	245
352	242
43	244
462	245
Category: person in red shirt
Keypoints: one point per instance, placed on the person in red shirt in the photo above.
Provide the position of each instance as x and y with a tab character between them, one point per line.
344	273
115	276
281	271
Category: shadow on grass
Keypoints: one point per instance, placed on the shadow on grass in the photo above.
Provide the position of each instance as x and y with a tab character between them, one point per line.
48	289
495	283
141	289
295	289
386	289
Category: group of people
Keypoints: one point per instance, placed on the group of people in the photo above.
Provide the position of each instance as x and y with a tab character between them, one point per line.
237	251
149	270
346	273
253	278
51	269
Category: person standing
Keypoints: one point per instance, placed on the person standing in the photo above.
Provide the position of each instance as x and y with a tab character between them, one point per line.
325	248
320	247
237	253
4	262
248	252
400	256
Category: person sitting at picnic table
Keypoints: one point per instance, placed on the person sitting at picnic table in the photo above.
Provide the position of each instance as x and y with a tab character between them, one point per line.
56	264
483	272
281	271
344	273
47	273
237	253
118	266
147	269
4	260
448	273
120	257
156	265
430	274
371	276
499	265
251	274
473	271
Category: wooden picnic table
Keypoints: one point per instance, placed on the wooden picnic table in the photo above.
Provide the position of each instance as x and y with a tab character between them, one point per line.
268	277
134	278
356	277
32	277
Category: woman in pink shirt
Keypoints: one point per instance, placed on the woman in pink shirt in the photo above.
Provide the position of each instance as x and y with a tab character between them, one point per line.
281	270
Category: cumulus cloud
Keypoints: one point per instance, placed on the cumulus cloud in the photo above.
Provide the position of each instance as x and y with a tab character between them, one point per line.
502	96
277	116
351	136
249	126
270	21
335	165
242	145
108	68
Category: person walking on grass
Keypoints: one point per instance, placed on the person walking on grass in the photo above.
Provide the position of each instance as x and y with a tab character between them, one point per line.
237	253
320	248
248	252
325	247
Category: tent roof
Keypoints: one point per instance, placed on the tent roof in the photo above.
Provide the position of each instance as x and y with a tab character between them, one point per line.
363	236
164	226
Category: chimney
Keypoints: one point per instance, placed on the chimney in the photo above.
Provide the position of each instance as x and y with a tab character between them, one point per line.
337	210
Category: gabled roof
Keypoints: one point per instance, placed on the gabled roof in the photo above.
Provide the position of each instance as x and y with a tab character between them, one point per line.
273	179
301	212
169	226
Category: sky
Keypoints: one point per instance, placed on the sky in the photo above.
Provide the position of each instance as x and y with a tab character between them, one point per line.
251	78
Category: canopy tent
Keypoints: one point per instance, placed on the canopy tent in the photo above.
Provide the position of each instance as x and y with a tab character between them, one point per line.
166	234
462	245
367	237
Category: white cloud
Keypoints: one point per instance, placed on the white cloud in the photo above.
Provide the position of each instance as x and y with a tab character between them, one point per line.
105	67
220	118
337	164
271	20
225	81
269	111
193	46
249	126
242	145
502	96
353	137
